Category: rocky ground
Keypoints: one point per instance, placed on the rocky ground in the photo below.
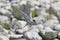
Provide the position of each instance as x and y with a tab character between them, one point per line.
29	19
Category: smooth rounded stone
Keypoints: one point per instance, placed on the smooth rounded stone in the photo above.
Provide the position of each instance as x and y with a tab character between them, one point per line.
1	4
2	37
2	0
32	35
4	19
53	17
15	36
58	15
37	28
22	23
49	33
57	27
51	23
55	39
1	29
34	3
13	27
47	6
8	7
23	2
56	6
5	12
18	25
59	35
18	39
42	12
46	1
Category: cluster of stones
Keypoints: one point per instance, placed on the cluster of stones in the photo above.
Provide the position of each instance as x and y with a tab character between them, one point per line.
47	21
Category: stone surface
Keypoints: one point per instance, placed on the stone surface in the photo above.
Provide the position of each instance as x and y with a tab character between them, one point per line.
49	33
4	19
47	26
33	35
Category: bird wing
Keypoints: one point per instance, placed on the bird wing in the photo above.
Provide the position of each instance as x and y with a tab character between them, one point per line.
27	10
26	17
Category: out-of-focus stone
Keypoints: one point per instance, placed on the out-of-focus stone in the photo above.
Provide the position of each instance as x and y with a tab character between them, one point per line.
2	37
57	27
5	12
59	35
4	19
55	39
51	23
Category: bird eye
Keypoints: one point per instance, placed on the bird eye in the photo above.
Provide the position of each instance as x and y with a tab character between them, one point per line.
40	6
33	20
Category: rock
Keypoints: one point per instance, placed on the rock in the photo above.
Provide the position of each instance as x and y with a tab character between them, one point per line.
51	23
4	19
55	39
57	27
49	33
3	34
15	36
1	29
2	37
19	30
23	2
42	12
21	23
33	35
56	6
5	12
37	28
19	26
59	35
18	39
8	6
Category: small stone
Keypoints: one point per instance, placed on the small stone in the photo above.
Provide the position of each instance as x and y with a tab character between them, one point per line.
56	39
